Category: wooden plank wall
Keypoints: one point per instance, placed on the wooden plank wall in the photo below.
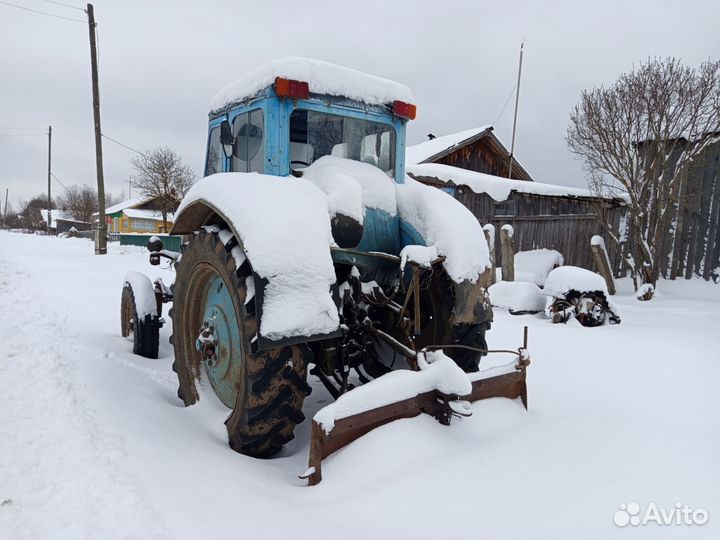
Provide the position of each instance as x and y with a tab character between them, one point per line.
695	249
565	224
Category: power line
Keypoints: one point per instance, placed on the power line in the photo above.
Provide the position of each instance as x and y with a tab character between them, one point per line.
66	5
24	128
506	104
41	12
121	144
58	181
23	134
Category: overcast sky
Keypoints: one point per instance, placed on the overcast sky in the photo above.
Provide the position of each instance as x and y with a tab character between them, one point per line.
162	61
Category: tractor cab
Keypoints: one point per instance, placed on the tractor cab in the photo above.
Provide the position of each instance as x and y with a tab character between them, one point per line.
281	122
288	125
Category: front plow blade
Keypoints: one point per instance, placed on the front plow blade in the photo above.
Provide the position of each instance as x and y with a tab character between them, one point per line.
510	384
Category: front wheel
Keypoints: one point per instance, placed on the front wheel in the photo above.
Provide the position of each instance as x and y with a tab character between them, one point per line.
214	336
138	315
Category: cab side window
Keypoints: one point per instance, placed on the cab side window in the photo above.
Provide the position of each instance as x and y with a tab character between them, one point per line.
249	149
215	157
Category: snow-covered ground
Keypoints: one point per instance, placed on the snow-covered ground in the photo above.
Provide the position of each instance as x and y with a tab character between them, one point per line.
95	443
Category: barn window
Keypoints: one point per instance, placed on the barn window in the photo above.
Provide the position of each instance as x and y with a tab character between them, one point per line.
505	208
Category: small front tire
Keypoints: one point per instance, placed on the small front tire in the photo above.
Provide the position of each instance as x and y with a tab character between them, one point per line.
145	330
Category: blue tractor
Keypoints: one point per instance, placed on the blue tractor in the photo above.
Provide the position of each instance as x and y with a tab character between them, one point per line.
289	149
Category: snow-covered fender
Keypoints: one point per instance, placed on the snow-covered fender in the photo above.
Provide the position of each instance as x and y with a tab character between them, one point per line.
431	217
281	226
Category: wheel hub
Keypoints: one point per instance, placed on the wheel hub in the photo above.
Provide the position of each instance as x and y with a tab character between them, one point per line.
219	342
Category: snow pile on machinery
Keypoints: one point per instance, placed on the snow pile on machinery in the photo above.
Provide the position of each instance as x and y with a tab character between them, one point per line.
581	294
448	226
288	247
321	78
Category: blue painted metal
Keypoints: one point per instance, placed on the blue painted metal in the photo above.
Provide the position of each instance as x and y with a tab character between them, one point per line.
219	312
382	232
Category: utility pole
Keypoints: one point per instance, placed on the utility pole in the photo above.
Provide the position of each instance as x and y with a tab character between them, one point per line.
517	99
130	186
101	233
49	200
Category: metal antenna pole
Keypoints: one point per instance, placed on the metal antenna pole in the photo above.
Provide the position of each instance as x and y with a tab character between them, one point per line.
101	233
517	100
49	200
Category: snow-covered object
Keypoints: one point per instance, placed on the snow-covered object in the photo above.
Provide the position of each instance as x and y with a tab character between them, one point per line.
535	265
439	372
597	240
489	228
55	214
351	186
517	296
426	150
422	255
508	229
496	187
143	292
644	291
567	278
285	230
446	224
322	78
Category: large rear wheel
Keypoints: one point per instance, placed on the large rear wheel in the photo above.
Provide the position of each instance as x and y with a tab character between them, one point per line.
214	333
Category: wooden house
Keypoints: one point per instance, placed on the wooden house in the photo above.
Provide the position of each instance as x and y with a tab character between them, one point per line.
137	215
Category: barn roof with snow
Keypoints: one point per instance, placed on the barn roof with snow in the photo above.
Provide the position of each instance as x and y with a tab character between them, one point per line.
497	188
476	149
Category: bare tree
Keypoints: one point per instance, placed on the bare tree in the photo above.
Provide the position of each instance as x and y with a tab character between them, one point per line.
30	210
161	174
113	199
638	138
80	202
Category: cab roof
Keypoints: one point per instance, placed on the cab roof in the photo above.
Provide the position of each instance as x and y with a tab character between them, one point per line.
322	78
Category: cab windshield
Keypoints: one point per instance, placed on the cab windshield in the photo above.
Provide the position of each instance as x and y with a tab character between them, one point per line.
315	134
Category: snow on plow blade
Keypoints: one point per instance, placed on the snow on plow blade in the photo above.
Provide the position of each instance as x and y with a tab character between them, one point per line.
333	428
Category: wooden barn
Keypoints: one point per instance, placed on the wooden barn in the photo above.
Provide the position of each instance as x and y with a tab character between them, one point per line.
470	165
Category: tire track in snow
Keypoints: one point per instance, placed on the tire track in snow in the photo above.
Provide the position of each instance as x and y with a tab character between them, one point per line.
62	474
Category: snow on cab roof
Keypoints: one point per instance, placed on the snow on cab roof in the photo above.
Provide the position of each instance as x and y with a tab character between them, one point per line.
496	187
322	77
424	151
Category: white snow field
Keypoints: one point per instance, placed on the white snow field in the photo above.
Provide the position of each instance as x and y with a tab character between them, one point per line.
94	442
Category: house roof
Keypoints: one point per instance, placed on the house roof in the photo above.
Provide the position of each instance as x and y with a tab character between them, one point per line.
128	203
441	146
496	187
55	215
146	214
